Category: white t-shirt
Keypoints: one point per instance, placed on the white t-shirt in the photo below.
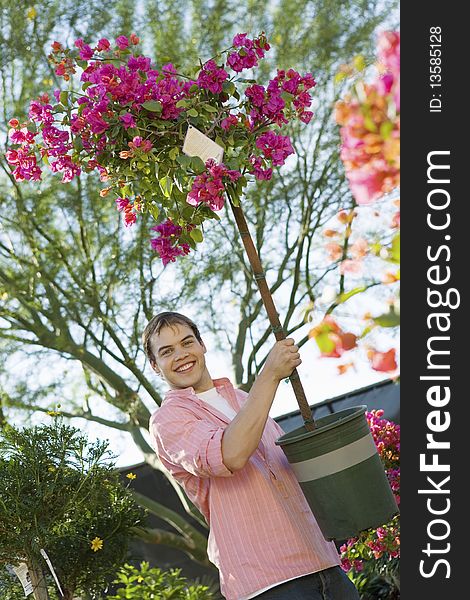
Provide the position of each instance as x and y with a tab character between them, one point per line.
213	398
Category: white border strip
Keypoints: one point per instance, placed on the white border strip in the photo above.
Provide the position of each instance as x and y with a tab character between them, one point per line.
336	460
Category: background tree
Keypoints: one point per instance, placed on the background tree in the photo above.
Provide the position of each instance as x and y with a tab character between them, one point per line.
63	495
76	289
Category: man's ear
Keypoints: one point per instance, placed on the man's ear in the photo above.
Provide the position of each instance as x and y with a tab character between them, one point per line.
203	346
154	366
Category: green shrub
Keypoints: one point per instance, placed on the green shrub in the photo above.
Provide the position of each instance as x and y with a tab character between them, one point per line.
147	583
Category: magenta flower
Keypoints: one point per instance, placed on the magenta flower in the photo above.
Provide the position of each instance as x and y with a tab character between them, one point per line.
139	63
167	244
67	167
103	45
128	120
211	77
86	52
275	147
228	122
256	168
122	42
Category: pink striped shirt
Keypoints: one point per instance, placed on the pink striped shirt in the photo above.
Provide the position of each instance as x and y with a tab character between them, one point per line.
261	529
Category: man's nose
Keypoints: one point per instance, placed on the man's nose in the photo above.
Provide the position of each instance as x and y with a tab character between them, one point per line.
181	353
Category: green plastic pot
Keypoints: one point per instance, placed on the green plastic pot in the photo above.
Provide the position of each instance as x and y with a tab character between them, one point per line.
341	474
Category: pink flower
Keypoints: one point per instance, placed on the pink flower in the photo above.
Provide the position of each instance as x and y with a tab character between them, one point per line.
103	45
168	244
257	163
67	167
370	183
211	77
85	52
275	147
122	203
128	120
139	63
122	42
351	267
228	122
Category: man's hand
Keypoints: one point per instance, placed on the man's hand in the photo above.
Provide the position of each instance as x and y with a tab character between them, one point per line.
242	436
282	360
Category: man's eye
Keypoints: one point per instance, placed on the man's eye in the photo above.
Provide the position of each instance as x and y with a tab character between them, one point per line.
165	352
188	342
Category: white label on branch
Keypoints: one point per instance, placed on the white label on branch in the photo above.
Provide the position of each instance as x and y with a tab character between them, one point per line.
51	569
23	575
198	144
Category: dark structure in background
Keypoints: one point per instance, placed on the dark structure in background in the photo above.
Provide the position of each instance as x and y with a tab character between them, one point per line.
383	395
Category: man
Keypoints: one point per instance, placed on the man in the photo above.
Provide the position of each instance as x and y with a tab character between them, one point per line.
219	444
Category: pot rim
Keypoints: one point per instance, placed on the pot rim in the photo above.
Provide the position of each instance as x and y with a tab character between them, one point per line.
290	437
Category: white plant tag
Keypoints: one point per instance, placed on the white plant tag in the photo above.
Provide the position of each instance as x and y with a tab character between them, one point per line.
51	569
21	571
198	144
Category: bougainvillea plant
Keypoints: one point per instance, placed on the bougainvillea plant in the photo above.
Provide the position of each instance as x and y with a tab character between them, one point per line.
383	543
369	117
129	119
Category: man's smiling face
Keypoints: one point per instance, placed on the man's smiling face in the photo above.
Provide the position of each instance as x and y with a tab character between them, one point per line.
179	358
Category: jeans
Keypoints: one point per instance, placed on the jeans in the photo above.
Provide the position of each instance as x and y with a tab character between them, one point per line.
329	584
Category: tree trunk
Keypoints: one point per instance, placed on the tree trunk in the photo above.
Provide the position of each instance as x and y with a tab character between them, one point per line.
38	580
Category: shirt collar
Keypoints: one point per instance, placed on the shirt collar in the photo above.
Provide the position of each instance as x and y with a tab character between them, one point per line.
223	382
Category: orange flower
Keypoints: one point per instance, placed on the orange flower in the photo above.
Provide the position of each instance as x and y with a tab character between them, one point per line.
382	361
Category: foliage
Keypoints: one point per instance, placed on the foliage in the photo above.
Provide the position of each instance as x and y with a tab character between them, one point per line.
147	583
372	586
62	494
379	547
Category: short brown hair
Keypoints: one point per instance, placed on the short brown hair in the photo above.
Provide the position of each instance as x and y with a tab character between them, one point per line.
165	319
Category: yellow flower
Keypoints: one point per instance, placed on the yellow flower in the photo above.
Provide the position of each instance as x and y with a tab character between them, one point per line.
53	413
131	476
96	544
31	14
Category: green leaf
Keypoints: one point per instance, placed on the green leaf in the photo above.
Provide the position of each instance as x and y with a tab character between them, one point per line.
197	165
359	63
182	104
192	112
324	342
154	211
209	108
386	129
184	161
390	319
77	143
218	140
346	295
64	97
229	87
188	213
153	106
287	97
173	153
196	235
395	251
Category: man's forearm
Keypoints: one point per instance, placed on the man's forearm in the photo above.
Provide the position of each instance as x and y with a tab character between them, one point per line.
242	436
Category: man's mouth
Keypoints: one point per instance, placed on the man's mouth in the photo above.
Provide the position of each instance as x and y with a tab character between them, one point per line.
185	367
